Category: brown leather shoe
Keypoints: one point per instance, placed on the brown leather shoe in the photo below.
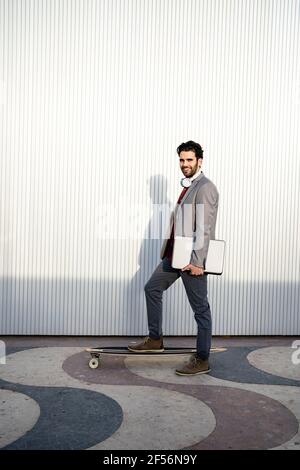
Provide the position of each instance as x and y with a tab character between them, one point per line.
147	345
194	366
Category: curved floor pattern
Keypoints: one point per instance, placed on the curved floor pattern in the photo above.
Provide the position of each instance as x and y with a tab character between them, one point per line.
234	365
276	361
150	414
79	419
18	414
161	419
231	407
139	403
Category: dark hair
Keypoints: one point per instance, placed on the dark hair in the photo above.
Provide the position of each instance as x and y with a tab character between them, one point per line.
191	145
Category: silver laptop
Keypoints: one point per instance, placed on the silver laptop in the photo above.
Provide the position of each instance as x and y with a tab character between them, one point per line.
215	257
183	247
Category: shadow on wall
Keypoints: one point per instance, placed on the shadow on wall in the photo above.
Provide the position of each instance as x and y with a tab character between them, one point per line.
149	253
87	306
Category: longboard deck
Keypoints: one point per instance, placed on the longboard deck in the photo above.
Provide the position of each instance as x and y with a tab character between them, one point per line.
167	350
96	353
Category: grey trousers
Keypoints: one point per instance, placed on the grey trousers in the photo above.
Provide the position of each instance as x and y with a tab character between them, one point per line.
196	288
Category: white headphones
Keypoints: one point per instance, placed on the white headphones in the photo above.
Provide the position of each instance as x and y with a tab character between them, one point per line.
185	182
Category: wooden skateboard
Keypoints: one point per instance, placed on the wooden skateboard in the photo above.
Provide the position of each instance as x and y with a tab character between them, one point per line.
96	353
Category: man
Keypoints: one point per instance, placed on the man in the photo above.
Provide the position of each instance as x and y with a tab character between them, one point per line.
198	191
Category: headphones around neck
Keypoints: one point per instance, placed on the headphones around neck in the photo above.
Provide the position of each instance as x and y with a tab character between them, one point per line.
185	182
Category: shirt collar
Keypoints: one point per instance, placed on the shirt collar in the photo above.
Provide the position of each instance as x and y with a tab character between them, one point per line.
195	175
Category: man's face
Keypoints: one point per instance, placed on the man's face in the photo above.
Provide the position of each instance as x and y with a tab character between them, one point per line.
188	163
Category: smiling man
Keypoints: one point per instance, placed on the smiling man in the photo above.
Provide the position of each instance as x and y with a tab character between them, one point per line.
198	191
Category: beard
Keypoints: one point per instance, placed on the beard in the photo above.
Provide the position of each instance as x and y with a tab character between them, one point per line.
189	172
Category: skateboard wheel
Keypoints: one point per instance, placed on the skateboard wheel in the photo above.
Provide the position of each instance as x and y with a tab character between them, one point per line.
94	363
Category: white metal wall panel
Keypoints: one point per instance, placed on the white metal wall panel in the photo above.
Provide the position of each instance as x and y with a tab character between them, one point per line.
95	97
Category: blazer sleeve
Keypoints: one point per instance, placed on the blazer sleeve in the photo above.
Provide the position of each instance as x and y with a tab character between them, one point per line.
208	196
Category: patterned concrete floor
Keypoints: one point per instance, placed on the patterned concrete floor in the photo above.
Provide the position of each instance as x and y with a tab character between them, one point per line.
51	399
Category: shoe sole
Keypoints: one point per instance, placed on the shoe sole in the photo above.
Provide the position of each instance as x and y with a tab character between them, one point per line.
145	350
195	373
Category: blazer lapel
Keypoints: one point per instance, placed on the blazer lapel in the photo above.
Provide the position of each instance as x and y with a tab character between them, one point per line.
192	187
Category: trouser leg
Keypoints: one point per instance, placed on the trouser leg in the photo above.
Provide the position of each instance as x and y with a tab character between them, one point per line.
196	289
162	278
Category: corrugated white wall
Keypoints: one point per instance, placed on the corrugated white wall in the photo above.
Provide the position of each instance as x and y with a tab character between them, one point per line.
95	97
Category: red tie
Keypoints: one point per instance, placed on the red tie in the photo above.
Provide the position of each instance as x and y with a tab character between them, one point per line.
181	195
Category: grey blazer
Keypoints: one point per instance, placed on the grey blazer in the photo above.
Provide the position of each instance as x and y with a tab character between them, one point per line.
196	217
